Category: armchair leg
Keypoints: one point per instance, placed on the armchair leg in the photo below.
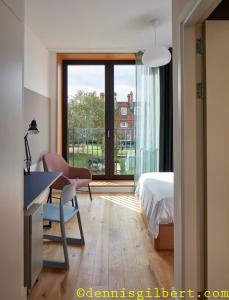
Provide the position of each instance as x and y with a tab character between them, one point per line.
50	195
89	190
49	200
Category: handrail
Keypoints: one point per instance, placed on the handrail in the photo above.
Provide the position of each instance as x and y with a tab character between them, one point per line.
86	147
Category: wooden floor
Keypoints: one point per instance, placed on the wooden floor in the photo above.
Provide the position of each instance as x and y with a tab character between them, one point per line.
117	254
112	183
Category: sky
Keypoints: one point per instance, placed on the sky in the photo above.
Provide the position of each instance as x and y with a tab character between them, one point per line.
92	78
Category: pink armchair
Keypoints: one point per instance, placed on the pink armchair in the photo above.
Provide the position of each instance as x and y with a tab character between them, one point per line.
80	177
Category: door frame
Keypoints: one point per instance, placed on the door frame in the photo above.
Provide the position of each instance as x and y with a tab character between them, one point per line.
186	260
109	111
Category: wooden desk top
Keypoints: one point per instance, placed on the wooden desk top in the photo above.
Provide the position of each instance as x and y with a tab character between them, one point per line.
36	183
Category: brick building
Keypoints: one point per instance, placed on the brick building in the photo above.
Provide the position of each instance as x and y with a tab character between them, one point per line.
125	118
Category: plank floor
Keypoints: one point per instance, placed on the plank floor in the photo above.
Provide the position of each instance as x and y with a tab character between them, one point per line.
117	254
112	183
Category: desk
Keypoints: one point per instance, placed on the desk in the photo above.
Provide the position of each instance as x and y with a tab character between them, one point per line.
36	183
36	188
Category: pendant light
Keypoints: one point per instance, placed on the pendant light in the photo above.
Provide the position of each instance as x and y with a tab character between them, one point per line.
157	56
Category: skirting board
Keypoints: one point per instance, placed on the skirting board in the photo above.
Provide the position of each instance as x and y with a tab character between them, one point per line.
165	239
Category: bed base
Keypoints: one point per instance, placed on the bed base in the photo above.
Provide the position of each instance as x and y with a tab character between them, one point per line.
165	239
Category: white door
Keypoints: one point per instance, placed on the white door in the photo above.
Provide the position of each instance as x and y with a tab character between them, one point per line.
217	151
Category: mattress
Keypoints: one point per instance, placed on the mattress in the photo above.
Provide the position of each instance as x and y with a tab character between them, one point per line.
155	191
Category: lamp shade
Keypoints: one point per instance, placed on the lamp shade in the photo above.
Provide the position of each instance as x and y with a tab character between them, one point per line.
33	128
156	57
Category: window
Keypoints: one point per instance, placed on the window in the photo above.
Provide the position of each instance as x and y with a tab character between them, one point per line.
92	121
123	111
123	125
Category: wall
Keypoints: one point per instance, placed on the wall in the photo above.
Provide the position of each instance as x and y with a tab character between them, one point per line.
186	211
11	158
37	95
37	64
37	107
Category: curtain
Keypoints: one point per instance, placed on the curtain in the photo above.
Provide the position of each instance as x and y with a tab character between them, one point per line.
166	119
147	114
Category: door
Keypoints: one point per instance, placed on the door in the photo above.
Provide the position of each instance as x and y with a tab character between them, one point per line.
217	154
192	165
98	117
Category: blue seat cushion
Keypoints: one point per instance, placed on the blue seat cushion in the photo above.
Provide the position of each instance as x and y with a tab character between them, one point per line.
51	212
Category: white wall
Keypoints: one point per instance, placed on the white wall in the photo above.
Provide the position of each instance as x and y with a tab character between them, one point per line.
36	64
37	95
11	158
37	107
16	7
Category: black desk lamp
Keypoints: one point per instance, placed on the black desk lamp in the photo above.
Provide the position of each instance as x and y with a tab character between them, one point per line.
32	130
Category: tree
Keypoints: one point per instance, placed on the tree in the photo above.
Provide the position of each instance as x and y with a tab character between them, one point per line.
86	110
86	117
86	114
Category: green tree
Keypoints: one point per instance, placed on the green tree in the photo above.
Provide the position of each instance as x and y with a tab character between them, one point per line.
86	110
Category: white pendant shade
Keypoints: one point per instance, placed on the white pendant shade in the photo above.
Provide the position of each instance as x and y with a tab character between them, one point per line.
156	57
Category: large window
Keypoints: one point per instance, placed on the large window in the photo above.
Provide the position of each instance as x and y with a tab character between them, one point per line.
99	127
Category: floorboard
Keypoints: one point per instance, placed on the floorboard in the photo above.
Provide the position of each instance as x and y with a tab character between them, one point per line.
118	183
117	254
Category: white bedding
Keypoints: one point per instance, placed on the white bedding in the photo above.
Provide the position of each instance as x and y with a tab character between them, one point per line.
155	191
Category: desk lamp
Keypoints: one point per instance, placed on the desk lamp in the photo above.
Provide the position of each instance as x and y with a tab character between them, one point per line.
32	130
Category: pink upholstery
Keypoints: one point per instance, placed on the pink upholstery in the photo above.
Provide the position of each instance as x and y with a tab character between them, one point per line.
81	177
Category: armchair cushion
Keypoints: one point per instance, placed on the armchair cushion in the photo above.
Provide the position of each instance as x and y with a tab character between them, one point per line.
80	177
61	182
82	173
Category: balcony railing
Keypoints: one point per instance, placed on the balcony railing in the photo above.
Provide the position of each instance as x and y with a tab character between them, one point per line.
86	148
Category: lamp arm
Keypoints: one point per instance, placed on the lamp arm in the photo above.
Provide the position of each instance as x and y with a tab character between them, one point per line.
28	155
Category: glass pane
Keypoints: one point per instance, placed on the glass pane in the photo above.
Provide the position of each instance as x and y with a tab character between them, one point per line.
86	117
124	126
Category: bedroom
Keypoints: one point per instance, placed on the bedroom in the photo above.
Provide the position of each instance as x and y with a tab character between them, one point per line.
105	125
152	153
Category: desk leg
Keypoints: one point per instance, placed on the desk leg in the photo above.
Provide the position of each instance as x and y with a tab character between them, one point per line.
49	200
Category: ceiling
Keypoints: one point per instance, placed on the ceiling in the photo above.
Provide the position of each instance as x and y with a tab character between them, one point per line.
100	25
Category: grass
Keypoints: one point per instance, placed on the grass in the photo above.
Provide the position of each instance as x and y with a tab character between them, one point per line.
80	159
98	150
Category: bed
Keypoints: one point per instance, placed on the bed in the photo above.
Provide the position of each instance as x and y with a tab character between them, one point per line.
155	191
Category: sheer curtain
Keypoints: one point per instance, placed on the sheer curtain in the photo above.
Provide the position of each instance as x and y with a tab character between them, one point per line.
147	116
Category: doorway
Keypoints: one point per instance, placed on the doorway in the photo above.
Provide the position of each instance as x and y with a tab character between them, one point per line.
98	116
189	124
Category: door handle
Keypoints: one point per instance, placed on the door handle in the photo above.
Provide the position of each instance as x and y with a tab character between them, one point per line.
108	133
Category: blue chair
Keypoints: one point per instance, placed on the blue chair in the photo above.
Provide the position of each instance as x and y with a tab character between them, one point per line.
62	213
